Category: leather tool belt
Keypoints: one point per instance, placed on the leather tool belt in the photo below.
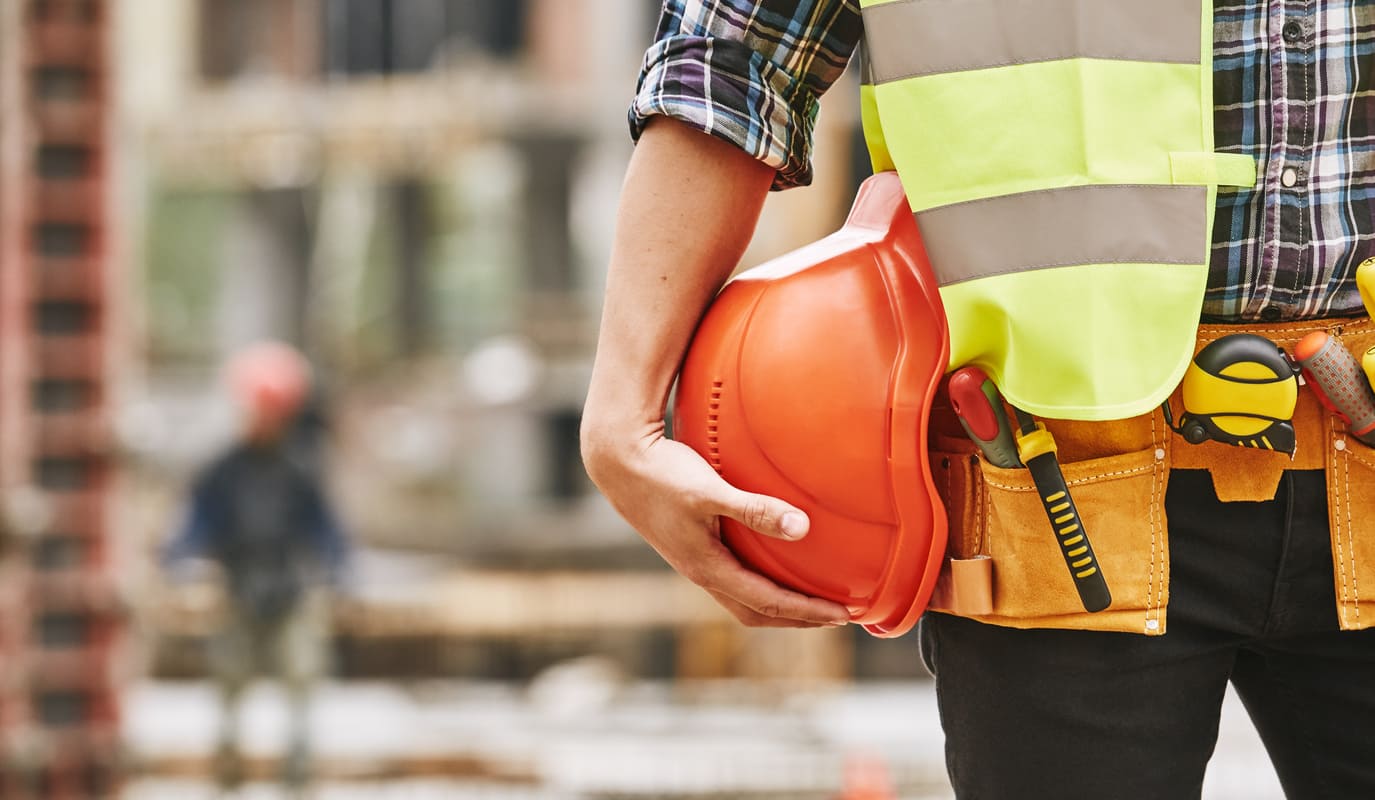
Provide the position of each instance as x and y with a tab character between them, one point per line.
1003	563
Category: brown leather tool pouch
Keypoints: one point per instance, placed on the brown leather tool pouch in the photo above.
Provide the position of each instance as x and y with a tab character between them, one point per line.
1116	472
1005	565
1350	465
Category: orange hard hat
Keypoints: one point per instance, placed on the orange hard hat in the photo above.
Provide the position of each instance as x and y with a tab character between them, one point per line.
270	380
811	379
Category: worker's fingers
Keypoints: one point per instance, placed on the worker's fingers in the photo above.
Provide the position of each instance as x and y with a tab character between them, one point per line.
760	513
676	500
753	619
769	600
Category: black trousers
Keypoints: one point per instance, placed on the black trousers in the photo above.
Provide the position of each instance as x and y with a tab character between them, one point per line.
1078	714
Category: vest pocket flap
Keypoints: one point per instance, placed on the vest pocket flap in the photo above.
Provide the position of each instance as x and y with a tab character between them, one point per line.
1121	503
1213	169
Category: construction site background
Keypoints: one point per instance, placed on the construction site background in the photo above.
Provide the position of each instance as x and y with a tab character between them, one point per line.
418	194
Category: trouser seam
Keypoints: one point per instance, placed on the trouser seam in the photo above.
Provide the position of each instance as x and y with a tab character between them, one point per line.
1274	609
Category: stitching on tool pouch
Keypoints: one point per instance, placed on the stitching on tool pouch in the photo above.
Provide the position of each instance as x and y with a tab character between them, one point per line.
1341	487
1153	612
1351	546
1351	453
1077	481
984	530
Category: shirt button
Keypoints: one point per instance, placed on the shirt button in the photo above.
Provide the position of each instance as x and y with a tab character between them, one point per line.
1292	31
1289	177
1271	313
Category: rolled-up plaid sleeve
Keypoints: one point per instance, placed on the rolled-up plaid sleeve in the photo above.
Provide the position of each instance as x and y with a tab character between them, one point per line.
750	73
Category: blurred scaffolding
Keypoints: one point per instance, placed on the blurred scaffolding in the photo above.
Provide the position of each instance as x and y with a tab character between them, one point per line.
61	312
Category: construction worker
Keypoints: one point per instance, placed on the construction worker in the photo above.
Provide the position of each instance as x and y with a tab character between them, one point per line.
1104	127
260	512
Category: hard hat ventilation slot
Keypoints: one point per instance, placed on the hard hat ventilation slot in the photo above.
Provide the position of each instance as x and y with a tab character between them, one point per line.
713	434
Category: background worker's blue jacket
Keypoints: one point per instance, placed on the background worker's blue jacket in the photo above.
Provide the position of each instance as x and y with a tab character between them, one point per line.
261	512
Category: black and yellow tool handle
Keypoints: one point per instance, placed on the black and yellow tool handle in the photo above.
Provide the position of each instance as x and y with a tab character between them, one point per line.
1069	532
1037	449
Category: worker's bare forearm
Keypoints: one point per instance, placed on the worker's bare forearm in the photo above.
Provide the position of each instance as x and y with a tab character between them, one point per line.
688	209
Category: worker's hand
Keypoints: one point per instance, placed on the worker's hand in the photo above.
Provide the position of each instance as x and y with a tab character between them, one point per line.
687	212
675	500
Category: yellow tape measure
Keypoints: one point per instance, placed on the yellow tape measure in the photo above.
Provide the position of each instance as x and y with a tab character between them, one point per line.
1240	390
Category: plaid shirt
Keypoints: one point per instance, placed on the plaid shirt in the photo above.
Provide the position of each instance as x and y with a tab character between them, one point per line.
1293	88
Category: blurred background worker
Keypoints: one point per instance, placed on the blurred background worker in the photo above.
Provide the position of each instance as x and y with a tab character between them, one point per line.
260	512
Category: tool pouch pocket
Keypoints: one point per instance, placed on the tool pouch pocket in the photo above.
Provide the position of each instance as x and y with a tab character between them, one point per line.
1117	474
1350	466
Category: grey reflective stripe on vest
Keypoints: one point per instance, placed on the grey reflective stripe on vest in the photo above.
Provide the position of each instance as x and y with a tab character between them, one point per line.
910	38
1066	227
866	64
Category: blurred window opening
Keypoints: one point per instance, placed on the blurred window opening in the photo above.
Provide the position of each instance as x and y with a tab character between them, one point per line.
414	232
441	267
241	38
53	553
63	161
476	258
58	395
567	480
550	252
65	83
270	285
64	317
61	238
62	707
188	240
383	37
59	629
64	473
85	11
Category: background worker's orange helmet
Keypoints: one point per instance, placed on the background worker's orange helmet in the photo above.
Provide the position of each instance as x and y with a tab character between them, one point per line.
811	379
270	381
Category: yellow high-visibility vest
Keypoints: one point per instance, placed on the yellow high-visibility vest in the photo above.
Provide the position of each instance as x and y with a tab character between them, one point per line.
1058	155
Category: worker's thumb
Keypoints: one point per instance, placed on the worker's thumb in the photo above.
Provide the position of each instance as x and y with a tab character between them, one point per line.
767	515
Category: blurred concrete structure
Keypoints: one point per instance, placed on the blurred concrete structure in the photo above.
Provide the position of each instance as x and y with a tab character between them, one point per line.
60	324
